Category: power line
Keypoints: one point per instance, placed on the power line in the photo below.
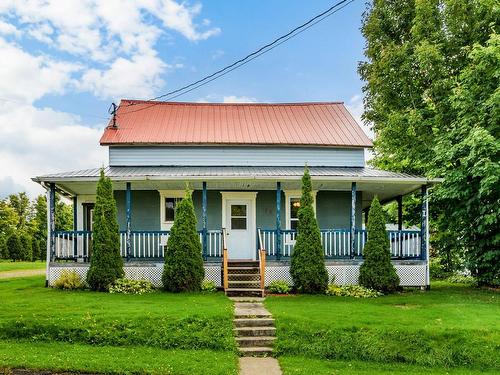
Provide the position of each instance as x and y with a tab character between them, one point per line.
245	60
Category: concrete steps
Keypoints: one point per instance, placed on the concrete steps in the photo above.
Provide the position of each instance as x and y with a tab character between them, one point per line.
253	327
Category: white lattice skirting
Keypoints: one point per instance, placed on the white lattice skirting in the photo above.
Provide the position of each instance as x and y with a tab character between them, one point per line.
409	274
151	272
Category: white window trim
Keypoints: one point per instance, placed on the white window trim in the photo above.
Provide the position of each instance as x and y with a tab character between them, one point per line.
295	194
167	225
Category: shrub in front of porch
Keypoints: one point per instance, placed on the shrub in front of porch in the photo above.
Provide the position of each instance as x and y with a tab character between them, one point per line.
307	266
183	271
377	271
106	263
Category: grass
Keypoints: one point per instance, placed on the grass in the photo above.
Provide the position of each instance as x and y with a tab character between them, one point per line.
195	325
450	326
8	265
301	365
118	360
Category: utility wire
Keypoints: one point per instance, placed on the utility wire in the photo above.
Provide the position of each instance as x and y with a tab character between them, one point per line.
245	60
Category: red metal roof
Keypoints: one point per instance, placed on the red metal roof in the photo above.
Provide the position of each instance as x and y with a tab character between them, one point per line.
316	124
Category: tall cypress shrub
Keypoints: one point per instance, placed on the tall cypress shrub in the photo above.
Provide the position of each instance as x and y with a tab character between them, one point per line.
26	246
307	264
106	263
377	271
14	247
183	269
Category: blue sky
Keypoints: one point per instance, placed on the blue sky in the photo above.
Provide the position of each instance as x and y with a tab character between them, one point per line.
66	61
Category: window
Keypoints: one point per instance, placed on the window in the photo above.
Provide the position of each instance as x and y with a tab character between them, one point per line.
292	206
239	216
169	199
170	206
294	212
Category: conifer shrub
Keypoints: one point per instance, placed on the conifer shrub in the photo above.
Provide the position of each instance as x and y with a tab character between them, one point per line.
183	269
36	250
4	253
14	247
307	262
106	263
26	246
377	271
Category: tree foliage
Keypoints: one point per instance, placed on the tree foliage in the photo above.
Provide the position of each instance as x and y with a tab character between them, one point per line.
106	263
377	271
183	270
307	266
431	78
14	247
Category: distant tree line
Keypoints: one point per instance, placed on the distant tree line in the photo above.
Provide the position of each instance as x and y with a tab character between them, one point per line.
23	226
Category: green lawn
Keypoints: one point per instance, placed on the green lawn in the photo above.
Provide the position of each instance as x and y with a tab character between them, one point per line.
450	326
195	326
8	265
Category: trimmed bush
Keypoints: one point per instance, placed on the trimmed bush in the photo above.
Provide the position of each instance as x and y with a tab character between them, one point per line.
183	269
208	286
128	286
377	271
14	247
356	291
106	263
279	287
69	280
307	264
27	246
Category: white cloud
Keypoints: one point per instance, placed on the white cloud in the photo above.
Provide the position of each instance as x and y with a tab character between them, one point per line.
238	99
38	141
9	29
101	29
138	77
25	77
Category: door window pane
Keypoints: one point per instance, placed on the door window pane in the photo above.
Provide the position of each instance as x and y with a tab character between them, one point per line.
293	224
170	205
238	210
239	223
239	216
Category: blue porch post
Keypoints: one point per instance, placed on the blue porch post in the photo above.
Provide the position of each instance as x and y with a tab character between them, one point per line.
128	213
399	199
75	226
278	220
424	233
52	220
204	218
353	220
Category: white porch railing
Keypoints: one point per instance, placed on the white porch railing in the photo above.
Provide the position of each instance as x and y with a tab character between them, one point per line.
337	242
144	244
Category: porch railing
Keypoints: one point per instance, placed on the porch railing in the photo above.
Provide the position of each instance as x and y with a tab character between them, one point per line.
144	244
336	243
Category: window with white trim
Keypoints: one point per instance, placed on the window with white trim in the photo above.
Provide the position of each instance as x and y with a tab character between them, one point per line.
292	206
168	203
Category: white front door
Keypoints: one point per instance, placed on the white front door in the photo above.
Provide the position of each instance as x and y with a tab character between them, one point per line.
239	221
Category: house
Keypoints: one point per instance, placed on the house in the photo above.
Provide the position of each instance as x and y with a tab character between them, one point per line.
244	163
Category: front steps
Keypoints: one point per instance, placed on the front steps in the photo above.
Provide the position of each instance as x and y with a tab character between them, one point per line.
243	279
253	327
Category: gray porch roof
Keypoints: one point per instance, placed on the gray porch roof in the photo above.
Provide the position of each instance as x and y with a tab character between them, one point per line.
199	173
385	184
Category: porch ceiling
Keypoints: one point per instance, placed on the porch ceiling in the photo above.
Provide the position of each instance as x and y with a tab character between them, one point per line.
386	185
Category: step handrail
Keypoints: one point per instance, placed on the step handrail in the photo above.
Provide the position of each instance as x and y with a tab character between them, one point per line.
224	258
262	261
